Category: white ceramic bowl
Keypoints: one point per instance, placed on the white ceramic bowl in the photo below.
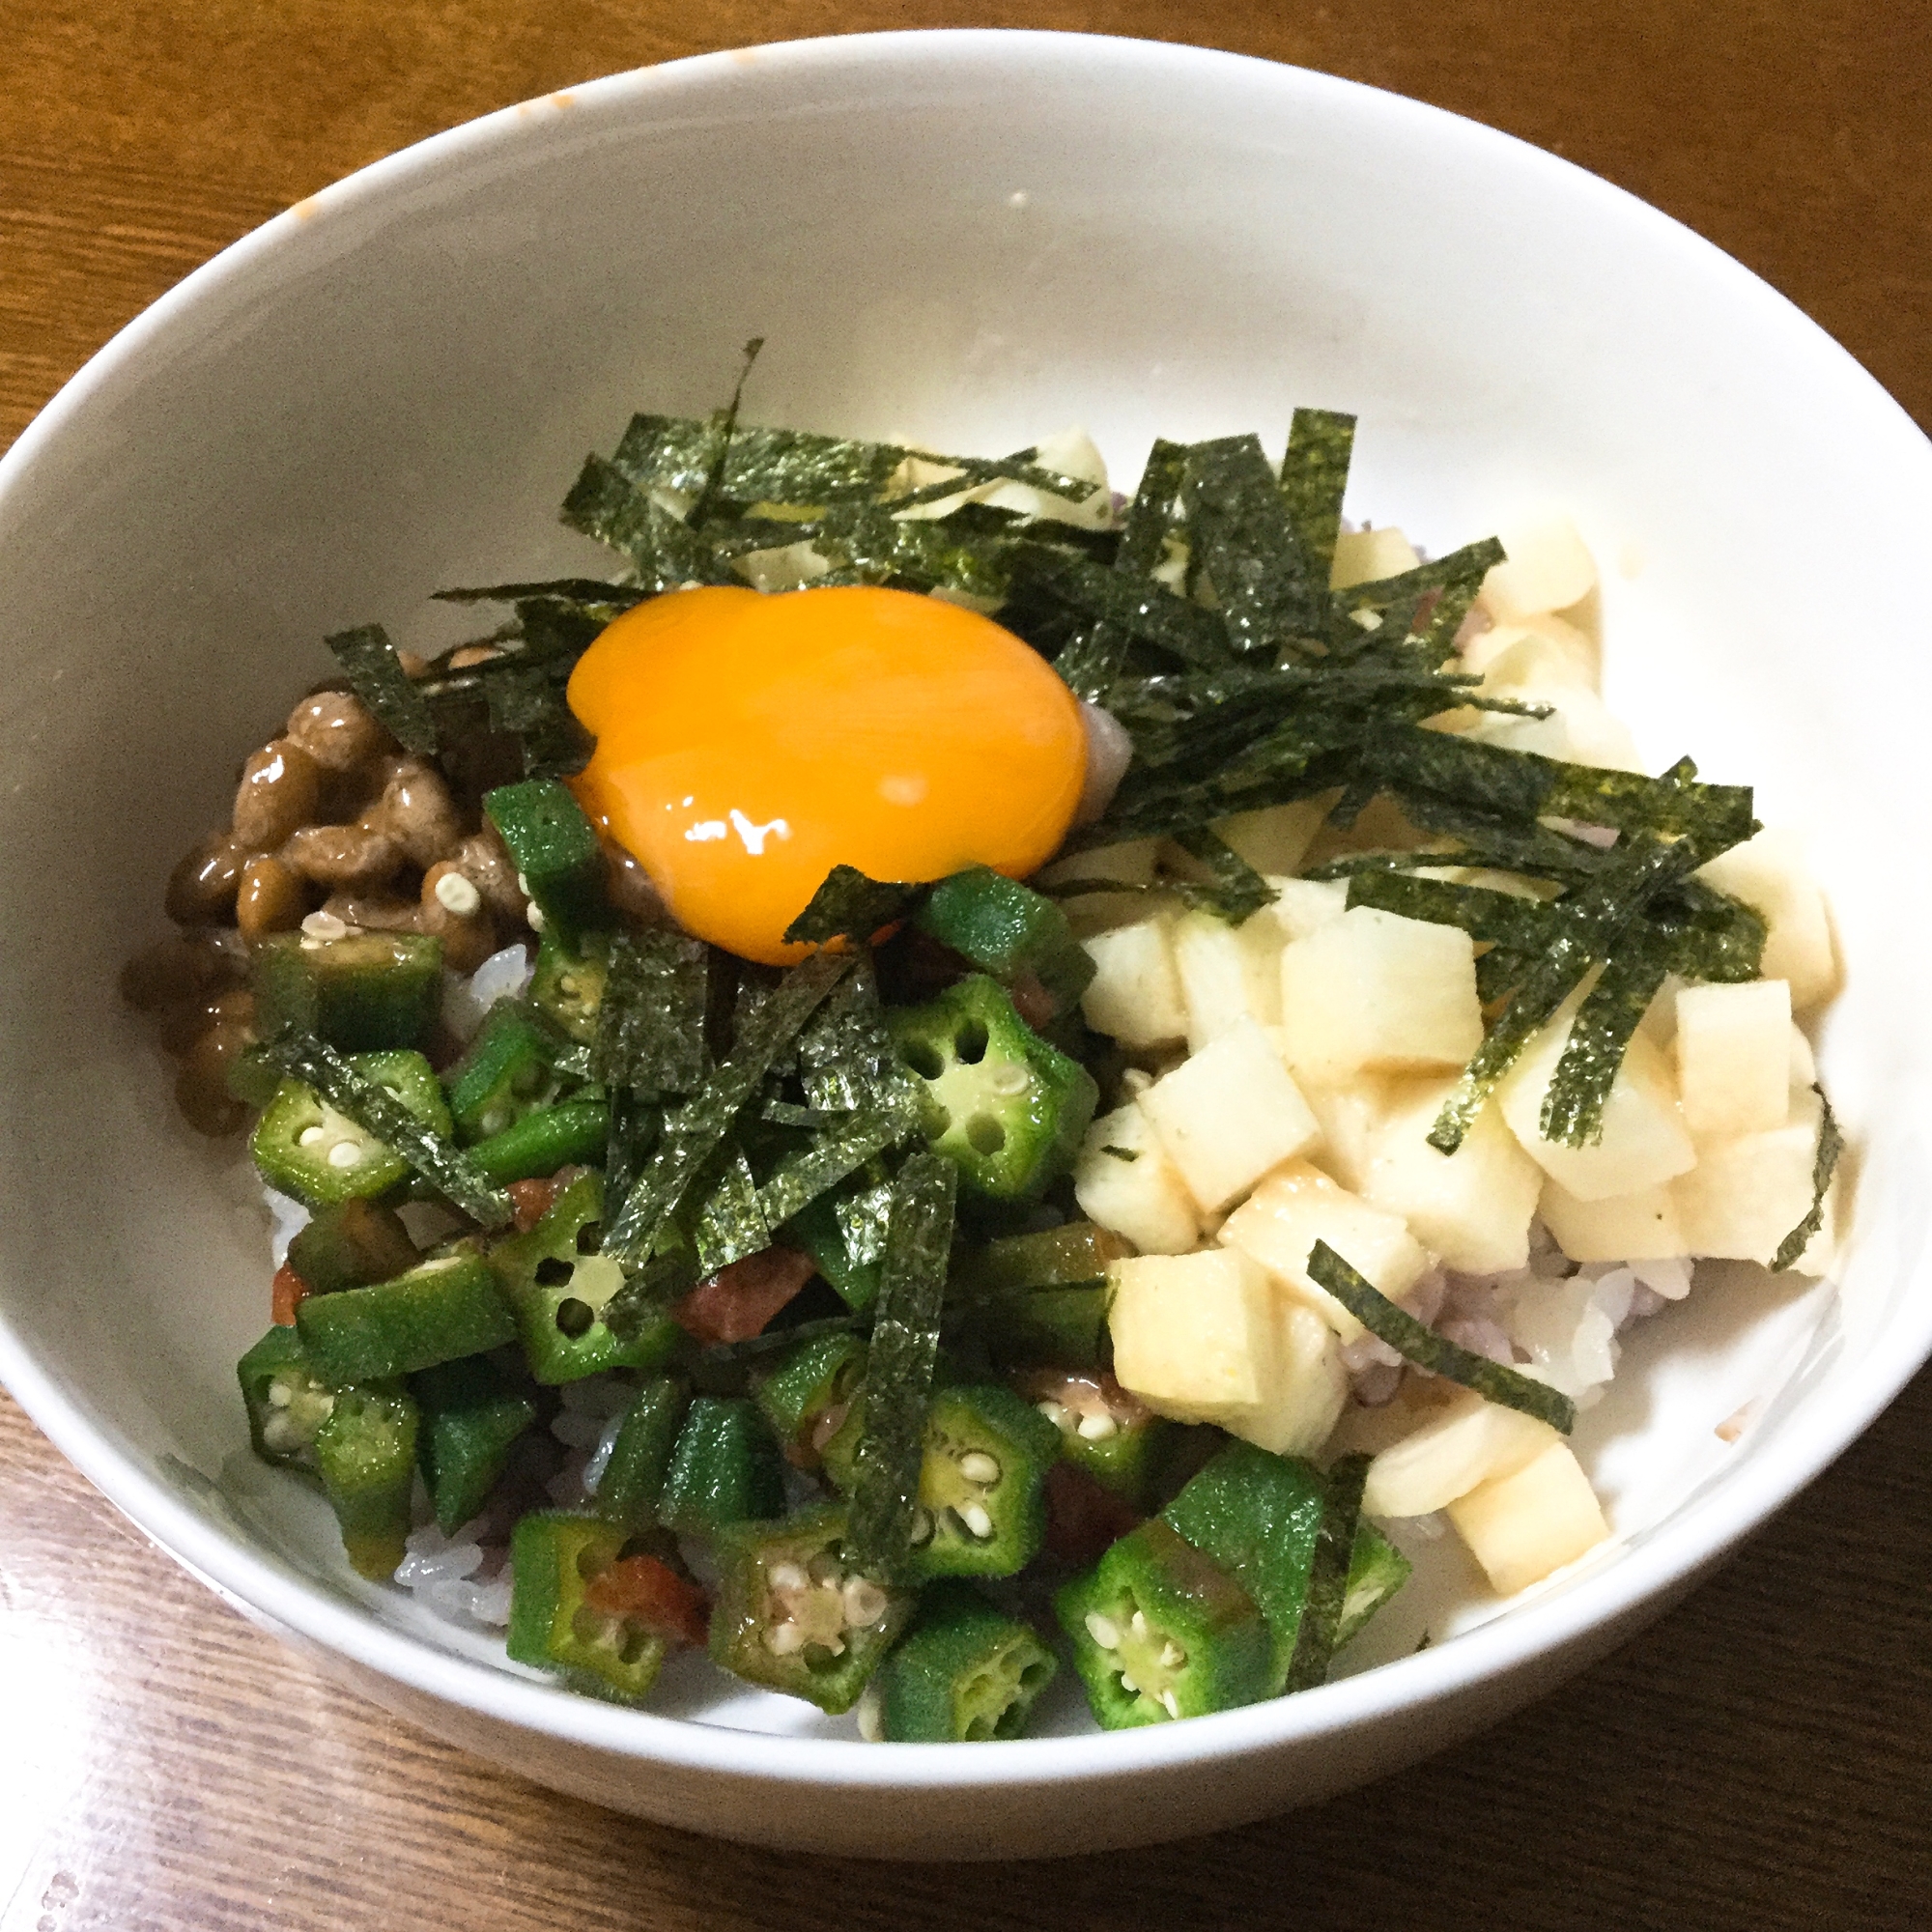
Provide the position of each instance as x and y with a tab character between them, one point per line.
970	239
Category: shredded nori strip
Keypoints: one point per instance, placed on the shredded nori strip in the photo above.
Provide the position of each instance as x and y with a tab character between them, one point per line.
441	1162
1504	919
1241	540
801	1178
849	905
771	1341
1314	475
898	1370
696	1131
731	1222
1237	890
1597	920
1573	1109
369	662
1830	1145
650	1023
1508	1388
1328	1574
530	703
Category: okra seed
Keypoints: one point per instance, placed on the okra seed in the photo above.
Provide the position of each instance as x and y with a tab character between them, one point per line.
1104	1631
344	1154
871	1714
524	885
921	1526
280	1395
535	916
862	1601
1172	1657
455	893
978	1523
308	1137
1057	1414
1009	1080
1129	1684
1097	1428
323	926
1170	1703
1139	1624
977	1466
787	1576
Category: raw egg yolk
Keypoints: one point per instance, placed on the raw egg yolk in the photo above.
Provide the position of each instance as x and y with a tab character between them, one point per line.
748	743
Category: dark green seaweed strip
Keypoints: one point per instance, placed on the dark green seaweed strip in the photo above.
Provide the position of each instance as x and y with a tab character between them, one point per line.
1716	816
605	505
847	1059
1573	1109
1830	1145
650	1023
1503	918
530	703
898	1370
590	591
1712	936
849	905
696	1132
772	1340
1241	539
1314	475
1472	562
975	470
637	1123
931	554
1508	1388
441	1162
374	673
1594	920
1237	891
801	1178
731	1221
714	477
1328	1574
1143	610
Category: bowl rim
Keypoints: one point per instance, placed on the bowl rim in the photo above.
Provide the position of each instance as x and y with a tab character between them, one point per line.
1670	1556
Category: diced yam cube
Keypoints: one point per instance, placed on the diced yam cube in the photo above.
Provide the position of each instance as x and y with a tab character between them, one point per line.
1227	972
1523	1527
1124	1181
1276	838
1300	1412
1303	906
1228	1114
1196	1337
1373	990
1804	1065
1548	567
1544	652
1134	863
1734	1058
1295	1206
1209	1338
1580	730
1366	556
1352	1115
1644	1141
1745	1195
1473	1207
1769	874
1135	991
1466	1442
1642	1227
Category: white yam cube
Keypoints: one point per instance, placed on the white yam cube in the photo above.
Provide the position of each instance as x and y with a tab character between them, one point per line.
1745	1195
1299	1413
1197	1337
1228	1114
1135	991
1276	838
1641	1227
1352	1116
1544	652
1303	906
1375	991
1133	863
1769	874
1226	972
1466	1442
1124	1181
1295	1206
1523	1527
1644	1141
1803	1064
1734	1058
1580	729
1548	567
1366	556
1473	1207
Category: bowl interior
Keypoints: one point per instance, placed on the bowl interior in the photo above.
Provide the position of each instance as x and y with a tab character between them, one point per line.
967	241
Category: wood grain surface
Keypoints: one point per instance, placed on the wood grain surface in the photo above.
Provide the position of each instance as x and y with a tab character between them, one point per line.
1763	1758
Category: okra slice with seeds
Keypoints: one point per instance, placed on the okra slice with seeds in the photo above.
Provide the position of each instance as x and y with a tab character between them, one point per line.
558	1283
1010	931
570	1134
568	985
1159	1631
508	1070
1040	1298
304	1147
350	1246
287	1402
963	1674
555	1558
1104	1429
559	861
808	1392
1002	1104
793	1615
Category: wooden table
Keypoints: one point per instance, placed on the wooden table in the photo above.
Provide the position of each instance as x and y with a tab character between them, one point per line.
1761	1759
